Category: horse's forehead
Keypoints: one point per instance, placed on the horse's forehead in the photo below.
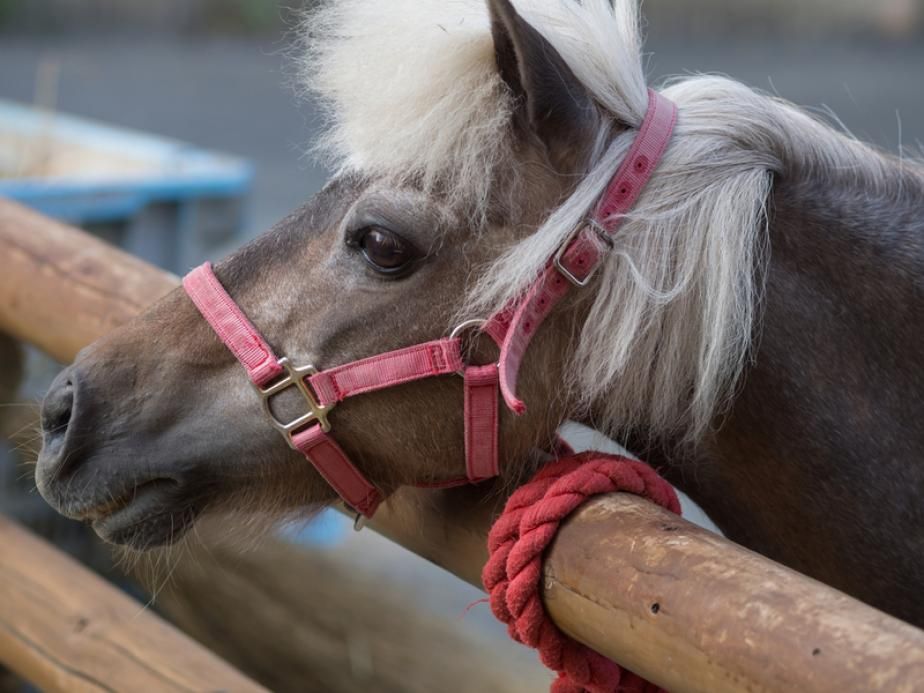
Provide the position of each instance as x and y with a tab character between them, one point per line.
283	244
426	219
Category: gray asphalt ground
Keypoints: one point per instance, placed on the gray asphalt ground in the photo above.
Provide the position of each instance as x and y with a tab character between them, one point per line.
232	95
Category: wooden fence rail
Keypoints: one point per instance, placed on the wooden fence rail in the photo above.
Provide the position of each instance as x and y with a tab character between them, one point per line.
687	609
65	629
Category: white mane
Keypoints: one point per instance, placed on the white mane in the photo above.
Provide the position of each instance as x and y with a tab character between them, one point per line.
412	93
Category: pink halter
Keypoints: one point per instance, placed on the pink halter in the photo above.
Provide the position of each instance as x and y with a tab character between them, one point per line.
512	329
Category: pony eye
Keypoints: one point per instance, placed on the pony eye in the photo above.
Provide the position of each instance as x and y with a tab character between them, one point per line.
385	251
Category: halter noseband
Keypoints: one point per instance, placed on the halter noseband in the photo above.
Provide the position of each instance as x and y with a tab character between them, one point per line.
512	329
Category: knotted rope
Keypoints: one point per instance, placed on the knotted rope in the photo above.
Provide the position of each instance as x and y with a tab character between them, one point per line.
518	540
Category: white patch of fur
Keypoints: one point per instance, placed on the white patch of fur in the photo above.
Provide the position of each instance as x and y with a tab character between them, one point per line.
411	89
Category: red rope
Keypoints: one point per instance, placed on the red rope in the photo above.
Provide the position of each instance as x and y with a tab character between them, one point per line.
518	541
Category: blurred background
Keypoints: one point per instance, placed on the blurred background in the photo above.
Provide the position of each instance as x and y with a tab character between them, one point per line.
199	91
213	72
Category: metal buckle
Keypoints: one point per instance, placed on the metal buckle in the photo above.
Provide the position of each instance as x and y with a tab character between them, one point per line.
563	248
295	377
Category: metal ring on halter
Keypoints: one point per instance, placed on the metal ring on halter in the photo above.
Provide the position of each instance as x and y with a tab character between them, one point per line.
467	325
476	323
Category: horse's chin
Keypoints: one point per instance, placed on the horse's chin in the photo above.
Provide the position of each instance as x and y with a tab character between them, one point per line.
146	522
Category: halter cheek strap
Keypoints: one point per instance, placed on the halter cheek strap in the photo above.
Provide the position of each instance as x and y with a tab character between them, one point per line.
581	255
512	329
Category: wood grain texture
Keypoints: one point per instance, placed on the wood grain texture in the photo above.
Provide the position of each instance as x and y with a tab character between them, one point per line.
61	288
65	629
699	613
689	610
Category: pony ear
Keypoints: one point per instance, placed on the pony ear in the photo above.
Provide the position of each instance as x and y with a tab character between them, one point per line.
552	104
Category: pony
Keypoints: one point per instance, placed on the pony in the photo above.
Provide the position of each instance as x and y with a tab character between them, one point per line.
754	332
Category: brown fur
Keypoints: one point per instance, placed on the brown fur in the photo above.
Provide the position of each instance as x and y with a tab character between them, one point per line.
818	464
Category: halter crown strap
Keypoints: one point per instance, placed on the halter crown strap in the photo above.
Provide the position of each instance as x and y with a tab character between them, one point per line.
583	252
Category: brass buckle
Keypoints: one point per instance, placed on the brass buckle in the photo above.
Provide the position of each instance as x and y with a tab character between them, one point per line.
295	377
563	248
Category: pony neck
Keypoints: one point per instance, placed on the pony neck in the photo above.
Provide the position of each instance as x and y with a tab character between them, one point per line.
828	414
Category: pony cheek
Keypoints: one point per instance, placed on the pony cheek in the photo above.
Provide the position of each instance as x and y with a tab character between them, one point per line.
409	435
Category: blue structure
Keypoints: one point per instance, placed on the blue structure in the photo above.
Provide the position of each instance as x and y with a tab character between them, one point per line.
166	201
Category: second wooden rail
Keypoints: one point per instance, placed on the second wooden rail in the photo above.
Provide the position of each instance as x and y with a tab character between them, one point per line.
65	629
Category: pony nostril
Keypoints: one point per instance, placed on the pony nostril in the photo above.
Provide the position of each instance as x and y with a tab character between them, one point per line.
58	408
58	415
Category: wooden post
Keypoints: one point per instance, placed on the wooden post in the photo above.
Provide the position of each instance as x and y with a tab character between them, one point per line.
65	629
688	610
